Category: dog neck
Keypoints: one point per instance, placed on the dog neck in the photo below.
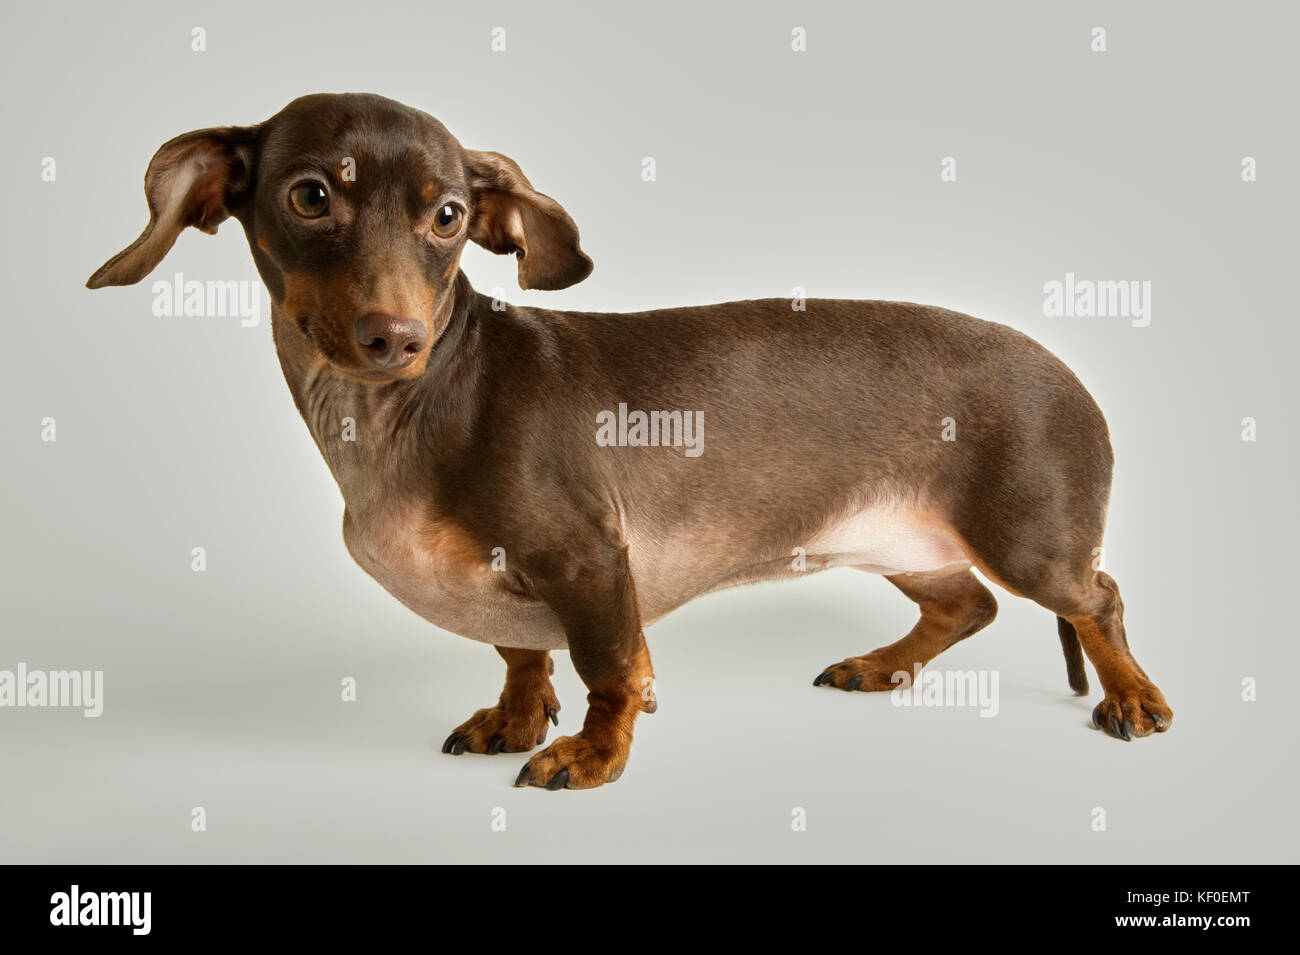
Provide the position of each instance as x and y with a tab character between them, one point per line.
382	441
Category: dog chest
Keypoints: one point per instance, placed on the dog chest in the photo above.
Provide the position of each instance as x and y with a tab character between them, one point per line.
441	573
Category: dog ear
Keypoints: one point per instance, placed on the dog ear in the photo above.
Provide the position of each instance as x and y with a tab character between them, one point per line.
194	180
510	216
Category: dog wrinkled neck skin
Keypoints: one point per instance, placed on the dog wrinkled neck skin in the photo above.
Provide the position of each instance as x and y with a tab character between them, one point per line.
351	418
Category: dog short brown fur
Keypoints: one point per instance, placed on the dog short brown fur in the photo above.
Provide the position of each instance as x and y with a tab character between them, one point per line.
476	491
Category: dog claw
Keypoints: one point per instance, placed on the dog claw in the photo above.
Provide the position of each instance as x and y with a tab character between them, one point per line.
449	745
496	744
1132	717
1117	730
823	680
559	780
854	682
553	715
525	775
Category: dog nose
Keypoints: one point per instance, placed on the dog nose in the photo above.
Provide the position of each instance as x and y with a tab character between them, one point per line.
391	342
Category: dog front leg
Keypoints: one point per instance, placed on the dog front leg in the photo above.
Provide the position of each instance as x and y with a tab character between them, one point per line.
595	600
518	722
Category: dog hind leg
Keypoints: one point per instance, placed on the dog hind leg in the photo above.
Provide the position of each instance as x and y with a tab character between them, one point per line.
953	607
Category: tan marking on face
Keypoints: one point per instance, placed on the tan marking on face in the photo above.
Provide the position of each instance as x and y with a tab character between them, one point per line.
299	295
429	191
333	304
264	244
405	295
329	309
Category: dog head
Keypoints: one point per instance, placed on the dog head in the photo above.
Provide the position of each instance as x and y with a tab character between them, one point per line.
356	209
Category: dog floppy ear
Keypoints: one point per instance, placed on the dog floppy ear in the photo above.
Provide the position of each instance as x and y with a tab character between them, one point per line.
193	180
509	215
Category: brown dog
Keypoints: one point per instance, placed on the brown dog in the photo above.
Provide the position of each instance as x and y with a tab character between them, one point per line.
472	441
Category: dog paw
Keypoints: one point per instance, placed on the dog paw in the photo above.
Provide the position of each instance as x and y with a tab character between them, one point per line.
1139	711
869	673
504	729
576	762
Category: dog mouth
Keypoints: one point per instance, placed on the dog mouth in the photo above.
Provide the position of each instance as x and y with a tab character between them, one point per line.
377	360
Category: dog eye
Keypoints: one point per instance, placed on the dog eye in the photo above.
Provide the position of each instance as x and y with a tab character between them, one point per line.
309	200
447	220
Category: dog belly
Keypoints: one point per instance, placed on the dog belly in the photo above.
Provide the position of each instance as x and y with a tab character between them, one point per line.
881	539
667	570
888	539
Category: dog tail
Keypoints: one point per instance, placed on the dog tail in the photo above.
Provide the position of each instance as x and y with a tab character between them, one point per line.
1074	670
